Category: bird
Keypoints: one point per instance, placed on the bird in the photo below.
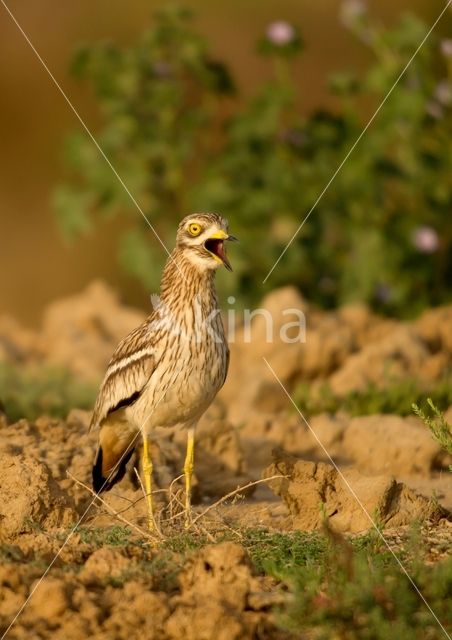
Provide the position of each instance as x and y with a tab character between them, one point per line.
169	369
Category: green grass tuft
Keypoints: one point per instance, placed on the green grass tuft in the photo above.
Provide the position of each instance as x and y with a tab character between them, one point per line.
99	536
277	553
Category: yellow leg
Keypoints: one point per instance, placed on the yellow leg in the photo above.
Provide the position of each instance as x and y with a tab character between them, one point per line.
147	473
188	471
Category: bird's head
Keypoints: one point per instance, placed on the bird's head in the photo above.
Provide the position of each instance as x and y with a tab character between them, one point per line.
202	236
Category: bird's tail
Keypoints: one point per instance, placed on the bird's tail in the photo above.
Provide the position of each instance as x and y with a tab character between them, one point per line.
114	452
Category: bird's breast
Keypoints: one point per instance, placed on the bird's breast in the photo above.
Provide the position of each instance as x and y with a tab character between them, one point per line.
190	370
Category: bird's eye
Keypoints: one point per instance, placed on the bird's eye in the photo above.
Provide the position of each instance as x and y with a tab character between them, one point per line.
195	229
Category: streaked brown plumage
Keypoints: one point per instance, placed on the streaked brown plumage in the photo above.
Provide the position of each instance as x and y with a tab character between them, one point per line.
168	370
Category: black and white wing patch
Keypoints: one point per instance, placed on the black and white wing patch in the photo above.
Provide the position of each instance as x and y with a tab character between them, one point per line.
129	369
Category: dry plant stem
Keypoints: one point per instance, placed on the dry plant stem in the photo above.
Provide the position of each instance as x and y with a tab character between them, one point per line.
227	526
233	493
156	532
132	503
207	533
175	502
172	497
109	509
154	527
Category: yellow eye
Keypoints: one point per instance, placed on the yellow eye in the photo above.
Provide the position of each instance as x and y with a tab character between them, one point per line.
195	229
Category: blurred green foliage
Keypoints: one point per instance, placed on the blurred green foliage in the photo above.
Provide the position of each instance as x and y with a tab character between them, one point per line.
30	392
360	595
397	396
183	139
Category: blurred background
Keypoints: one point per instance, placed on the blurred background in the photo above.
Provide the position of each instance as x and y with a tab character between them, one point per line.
245	108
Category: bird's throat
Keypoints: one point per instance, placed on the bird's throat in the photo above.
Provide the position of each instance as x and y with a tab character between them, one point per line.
183	283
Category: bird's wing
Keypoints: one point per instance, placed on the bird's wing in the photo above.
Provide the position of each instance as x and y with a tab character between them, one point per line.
129	369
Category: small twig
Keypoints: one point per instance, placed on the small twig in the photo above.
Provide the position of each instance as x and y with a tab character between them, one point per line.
172	497
227	526
174	482
209	536
137	500
132	504
109	508
233	493
118	495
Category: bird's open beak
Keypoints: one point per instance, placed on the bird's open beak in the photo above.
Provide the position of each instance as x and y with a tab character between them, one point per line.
215	246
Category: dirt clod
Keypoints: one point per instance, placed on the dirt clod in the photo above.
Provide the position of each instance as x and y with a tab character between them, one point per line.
385	443
105	563
30	497
50	600
214	591
350	502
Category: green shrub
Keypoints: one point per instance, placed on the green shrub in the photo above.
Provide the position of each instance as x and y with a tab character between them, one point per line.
183	139
441	430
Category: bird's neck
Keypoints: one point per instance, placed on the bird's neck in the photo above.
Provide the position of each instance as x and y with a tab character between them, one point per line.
184	283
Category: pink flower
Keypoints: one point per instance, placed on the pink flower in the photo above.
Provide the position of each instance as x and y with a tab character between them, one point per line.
280	33
446	47
383	292
162	69
352	10
425	239
443	92
434	110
